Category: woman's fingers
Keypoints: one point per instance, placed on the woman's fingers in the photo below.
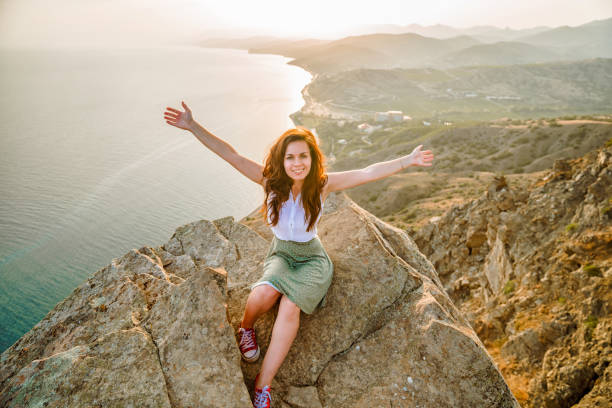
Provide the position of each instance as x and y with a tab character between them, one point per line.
185	106
422	157
173	110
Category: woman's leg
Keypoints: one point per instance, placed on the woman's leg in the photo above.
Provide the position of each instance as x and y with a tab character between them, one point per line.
284	332
260	300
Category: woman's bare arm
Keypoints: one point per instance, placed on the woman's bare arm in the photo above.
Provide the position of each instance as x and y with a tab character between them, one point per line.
246	166
184	120
346	179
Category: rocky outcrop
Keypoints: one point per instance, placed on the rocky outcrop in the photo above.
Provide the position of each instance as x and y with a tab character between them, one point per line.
532	272
156	328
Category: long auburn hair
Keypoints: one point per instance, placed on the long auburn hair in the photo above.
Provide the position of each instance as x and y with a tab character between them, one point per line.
280	183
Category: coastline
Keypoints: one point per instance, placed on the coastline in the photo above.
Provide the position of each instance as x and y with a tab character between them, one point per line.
55	244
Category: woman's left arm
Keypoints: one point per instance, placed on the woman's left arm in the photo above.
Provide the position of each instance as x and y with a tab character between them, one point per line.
346	179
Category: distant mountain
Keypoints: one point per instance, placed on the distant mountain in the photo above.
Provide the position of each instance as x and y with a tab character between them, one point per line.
293	49
412	50
485	34
501	53
340	57
491	34
381	51
586	41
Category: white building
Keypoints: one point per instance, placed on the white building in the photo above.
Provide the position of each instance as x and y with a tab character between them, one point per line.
381	116
396	116
367	128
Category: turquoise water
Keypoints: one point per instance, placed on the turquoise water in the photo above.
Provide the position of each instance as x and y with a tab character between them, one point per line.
89	168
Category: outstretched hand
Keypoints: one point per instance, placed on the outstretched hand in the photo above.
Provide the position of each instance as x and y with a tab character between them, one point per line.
183	120
419	158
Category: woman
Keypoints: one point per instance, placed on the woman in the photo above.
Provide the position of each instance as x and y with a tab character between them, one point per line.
296	269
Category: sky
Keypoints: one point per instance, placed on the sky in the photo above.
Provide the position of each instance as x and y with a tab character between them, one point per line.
34	23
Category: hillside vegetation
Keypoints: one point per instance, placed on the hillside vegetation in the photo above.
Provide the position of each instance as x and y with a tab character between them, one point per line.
467	158
470	93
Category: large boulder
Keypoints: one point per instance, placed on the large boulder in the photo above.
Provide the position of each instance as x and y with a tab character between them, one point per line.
156	328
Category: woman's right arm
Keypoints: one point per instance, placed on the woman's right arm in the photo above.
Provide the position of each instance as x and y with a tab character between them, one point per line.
184	120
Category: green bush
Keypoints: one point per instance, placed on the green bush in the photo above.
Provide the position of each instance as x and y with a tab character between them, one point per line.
592	270
409	216
509	287
591	322
569	228
522	139
562	299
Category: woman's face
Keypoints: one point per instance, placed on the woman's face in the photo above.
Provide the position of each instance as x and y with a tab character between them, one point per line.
297	160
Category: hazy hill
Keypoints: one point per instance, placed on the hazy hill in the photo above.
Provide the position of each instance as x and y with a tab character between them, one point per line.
486	34
491	34
373	51
340	57
441	31
585	41
387	51
434	46
499	53
294	48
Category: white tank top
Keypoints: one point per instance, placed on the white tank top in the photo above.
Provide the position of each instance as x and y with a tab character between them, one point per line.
291	225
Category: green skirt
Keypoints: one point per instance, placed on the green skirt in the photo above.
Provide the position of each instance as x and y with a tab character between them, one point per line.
302	271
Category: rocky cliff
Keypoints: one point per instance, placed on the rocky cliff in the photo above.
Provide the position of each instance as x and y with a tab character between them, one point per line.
156	328
532	272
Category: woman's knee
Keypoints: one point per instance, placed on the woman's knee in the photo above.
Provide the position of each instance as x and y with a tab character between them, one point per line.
288	309
266	293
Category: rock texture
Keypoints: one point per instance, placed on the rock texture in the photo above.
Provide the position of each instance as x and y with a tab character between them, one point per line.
156	328
532	272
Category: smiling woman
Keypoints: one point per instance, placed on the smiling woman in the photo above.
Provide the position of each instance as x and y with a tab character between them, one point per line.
297	269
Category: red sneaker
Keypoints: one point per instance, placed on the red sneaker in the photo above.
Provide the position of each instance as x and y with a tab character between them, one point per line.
262	396
248	345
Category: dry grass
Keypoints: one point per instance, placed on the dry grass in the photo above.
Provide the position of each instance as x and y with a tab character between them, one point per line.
409	201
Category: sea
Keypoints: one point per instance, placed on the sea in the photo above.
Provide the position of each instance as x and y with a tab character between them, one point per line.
89	168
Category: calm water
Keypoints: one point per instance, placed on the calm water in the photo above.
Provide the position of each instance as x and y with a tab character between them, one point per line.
89	168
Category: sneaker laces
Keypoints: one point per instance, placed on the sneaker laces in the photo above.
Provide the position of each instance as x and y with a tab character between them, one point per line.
247	340
262	397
